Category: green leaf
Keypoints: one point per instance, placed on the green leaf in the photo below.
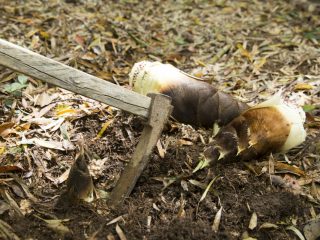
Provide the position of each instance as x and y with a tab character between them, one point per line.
315	34
309	108
201	164
8	102
180	41
14	88
22	79
15	150
207	189
10	88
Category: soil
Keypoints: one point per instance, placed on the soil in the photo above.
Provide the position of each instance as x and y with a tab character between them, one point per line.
175	211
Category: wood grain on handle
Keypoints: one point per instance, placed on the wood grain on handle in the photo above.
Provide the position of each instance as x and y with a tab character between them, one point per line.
35	65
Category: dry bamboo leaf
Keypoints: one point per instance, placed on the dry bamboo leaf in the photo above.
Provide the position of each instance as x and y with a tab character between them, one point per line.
197	183
3	207
5	126
25	206
216	221
6	196
8	77
23	127
44	99
69	111
6	232
6	129
24	187
313	212
201	164
32	32
258	64
117	219
249	238
2	150
315	191
246	236
16	190
44	110
181	213
271	164
303	87
207	189
63	177
6	169
149	219
184	185
244	52
167	181
104	128
288	168
120	233
253	221
110	237
182	142
54	125
43	143
57	225
296	231
160	149
41	121
267	225
312	229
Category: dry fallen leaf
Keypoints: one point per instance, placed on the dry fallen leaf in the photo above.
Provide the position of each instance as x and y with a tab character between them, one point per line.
25	206
115	220
160	149
46	144
253	221
44	99
6	232
296	231
216	221
57	225
120	233
6	169
312	229
303	87
6	129
267	225
63	177
283	167
6	196
207	189
104	127
182	142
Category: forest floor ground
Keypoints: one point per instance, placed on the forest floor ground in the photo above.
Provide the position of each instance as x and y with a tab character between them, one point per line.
250	49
